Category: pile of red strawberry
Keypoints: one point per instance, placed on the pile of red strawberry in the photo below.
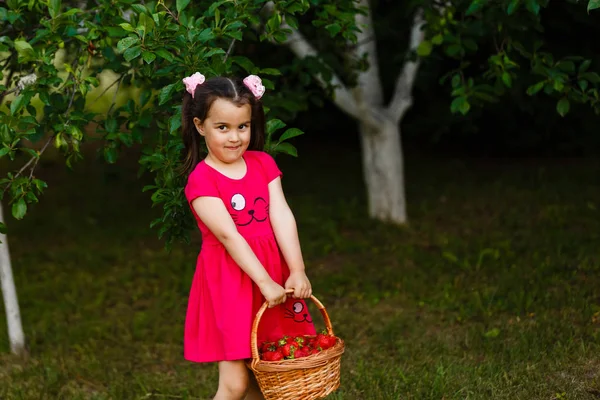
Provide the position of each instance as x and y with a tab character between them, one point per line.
296	347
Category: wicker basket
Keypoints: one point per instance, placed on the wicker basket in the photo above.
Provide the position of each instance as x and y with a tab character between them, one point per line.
305	378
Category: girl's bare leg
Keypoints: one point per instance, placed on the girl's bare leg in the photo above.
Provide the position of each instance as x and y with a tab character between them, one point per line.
233	380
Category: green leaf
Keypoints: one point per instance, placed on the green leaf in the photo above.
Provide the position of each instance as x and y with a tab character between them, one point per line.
164	54
437	39
182	4
54	7
244	62
591	76
290	133
3	229
593	4
174	123
454	49
563	106
583	84
21	101
475	6
206	35
237	35
111	125
460	104
110	155
270	71
19	209
126	43
584	66
512	7
45	98
286	148
558	86
24	49
148	57
424	48
4	151
165	94
145	96
212	52
507	79
273	125
567	66
533	6
132	53
139	8
533	89
333	29
127	27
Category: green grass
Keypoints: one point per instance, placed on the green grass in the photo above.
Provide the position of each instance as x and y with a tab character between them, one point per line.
491	292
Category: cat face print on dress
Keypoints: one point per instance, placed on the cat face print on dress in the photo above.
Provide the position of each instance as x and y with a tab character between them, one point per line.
298	312
246	213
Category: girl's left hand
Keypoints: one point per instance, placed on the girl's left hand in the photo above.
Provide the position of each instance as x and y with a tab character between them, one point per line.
301	285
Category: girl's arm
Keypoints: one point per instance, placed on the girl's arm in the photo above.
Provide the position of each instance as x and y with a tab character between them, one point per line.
213	213
286	232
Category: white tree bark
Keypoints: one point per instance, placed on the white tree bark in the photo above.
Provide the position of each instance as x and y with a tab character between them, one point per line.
11	303
379	125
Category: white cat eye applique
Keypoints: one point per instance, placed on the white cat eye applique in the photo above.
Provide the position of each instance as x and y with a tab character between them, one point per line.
238	202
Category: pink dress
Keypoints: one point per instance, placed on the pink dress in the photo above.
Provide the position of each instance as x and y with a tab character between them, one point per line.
223	299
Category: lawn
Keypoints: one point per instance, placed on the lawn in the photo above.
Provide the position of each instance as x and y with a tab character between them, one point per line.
491	292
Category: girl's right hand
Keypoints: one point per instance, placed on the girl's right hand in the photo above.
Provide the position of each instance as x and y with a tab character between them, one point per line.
274	293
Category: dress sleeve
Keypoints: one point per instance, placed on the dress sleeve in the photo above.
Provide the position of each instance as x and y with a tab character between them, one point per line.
200	184
269	166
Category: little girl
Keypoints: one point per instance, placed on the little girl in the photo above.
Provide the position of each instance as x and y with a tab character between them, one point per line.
250	249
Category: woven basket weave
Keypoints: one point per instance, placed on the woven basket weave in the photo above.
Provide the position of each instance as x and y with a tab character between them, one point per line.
305	378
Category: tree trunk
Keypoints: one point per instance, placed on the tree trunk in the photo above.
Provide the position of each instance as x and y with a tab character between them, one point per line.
379	125
383	168
11	303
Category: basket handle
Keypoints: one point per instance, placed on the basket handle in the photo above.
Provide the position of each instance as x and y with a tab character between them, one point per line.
254	336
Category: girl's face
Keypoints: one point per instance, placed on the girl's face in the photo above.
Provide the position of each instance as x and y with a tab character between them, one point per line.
226	130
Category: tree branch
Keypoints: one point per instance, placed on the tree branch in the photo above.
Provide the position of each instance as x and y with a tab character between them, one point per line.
302	48
369	82
402	98
31	160
106	90
114	100
229	50
38	157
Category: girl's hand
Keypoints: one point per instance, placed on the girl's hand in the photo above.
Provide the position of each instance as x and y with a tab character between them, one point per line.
301	285
274	293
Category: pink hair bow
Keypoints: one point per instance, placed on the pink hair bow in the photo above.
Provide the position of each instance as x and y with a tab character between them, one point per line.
254	83
192	81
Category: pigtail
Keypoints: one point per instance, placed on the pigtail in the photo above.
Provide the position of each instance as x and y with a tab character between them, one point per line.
191	138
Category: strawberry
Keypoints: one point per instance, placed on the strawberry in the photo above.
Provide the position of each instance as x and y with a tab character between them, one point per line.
313	351
301	352
288	350
299	340
268	346
272	356
332	340
323	341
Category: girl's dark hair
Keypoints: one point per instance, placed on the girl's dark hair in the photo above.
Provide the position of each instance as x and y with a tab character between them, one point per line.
231	89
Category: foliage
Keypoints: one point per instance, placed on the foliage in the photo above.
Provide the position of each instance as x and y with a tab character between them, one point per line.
150	46
510	35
